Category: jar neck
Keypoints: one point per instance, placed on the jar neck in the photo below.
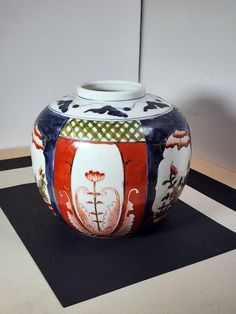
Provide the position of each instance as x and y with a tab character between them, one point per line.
111	90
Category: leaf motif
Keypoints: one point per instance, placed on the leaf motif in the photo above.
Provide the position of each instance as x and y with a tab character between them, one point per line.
154	105
165	182
63	105
75	223
162	105
126	226
109	110
165	197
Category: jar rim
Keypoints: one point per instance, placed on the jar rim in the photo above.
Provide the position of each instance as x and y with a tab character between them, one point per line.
111	90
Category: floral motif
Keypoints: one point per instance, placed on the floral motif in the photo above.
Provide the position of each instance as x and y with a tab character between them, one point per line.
98	211
42	186
98	217
37	138
94	176
179	139
40	171
179	134
175	186
173	169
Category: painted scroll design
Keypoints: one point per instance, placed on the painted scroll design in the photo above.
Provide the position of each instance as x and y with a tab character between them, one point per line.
101	212
98	210
72	215
128	218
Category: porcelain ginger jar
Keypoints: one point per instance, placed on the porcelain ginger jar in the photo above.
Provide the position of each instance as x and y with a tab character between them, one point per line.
111	158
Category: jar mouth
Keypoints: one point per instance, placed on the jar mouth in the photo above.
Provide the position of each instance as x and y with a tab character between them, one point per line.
111	90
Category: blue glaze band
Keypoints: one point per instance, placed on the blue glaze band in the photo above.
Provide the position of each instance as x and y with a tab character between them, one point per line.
50	124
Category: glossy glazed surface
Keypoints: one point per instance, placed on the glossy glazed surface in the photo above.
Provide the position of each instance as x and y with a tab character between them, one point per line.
74	106
110	176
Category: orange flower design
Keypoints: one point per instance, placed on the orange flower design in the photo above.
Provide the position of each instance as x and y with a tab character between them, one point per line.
179	134
37	138
173	170
94	176
40	171
179	139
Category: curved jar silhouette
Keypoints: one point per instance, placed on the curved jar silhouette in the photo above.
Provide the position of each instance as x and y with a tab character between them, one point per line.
111	158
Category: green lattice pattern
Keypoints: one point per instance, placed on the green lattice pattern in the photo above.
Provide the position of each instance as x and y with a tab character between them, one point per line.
104	131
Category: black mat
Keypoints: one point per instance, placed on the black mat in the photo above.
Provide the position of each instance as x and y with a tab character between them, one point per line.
216	190
13	163
79	268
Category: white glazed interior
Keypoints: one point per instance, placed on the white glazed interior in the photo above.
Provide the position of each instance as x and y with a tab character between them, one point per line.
111	90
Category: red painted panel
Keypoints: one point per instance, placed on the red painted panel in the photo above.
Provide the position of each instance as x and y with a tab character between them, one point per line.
63	160
135	183
135	186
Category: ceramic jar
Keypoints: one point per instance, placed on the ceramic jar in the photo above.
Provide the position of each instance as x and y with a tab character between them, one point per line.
110	159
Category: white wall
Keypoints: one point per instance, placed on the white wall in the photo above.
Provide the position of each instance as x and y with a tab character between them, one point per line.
48	47
189	58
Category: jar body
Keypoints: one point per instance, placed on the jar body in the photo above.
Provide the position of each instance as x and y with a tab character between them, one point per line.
110	177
